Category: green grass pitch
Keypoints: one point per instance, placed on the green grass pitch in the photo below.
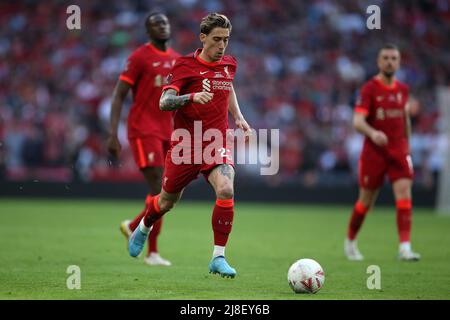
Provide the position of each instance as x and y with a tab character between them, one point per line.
39	239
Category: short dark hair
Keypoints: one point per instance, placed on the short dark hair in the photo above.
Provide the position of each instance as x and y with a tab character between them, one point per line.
214	20
151	14
388	46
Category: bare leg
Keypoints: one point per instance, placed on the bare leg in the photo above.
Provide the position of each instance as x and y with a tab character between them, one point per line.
221	179
368	197
402	193
159	205
366	200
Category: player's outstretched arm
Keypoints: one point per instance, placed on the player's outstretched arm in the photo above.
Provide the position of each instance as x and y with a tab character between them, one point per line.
359	123
170	100
119	94
233	108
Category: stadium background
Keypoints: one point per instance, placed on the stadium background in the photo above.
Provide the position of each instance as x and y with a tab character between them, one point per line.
300	66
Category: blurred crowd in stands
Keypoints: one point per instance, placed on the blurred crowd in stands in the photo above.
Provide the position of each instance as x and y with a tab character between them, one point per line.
300	66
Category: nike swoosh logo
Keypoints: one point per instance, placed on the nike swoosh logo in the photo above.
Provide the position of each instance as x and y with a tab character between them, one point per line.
203	72
155	64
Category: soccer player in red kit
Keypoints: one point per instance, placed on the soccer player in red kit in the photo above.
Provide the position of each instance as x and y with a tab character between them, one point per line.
200	90
149	128
381	114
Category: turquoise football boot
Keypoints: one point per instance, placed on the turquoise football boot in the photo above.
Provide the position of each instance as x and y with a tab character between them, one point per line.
219	265
137	242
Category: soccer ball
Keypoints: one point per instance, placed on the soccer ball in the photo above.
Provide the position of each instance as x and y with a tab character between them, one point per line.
306	276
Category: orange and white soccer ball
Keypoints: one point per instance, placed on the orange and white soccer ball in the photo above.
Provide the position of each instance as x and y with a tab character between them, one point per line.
306	276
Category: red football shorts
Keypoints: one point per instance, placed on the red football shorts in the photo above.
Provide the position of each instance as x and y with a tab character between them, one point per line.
375	164
149	151
177	176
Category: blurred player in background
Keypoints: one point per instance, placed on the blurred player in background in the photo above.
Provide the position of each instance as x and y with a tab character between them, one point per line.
149	128
381	114
201	89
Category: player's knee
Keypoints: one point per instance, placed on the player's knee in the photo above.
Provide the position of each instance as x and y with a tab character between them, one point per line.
367	198
403	192
166	205
225	191
365	202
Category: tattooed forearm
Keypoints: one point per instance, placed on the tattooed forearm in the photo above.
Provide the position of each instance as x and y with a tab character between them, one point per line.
227	171
169	100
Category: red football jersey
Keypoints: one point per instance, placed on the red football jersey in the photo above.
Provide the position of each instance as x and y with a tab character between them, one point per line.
146	71
384	107
192	74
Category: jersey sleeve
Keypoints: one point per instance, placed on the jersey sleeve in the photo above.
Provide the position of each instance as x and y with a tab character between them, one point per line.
178	76
132	70
232	61
363	102
231	66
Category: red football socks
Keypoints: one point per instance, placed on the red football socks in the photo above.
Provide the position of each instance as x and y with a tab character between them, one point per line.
153	237
356	220
222	221
153	212
404	215
134	224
